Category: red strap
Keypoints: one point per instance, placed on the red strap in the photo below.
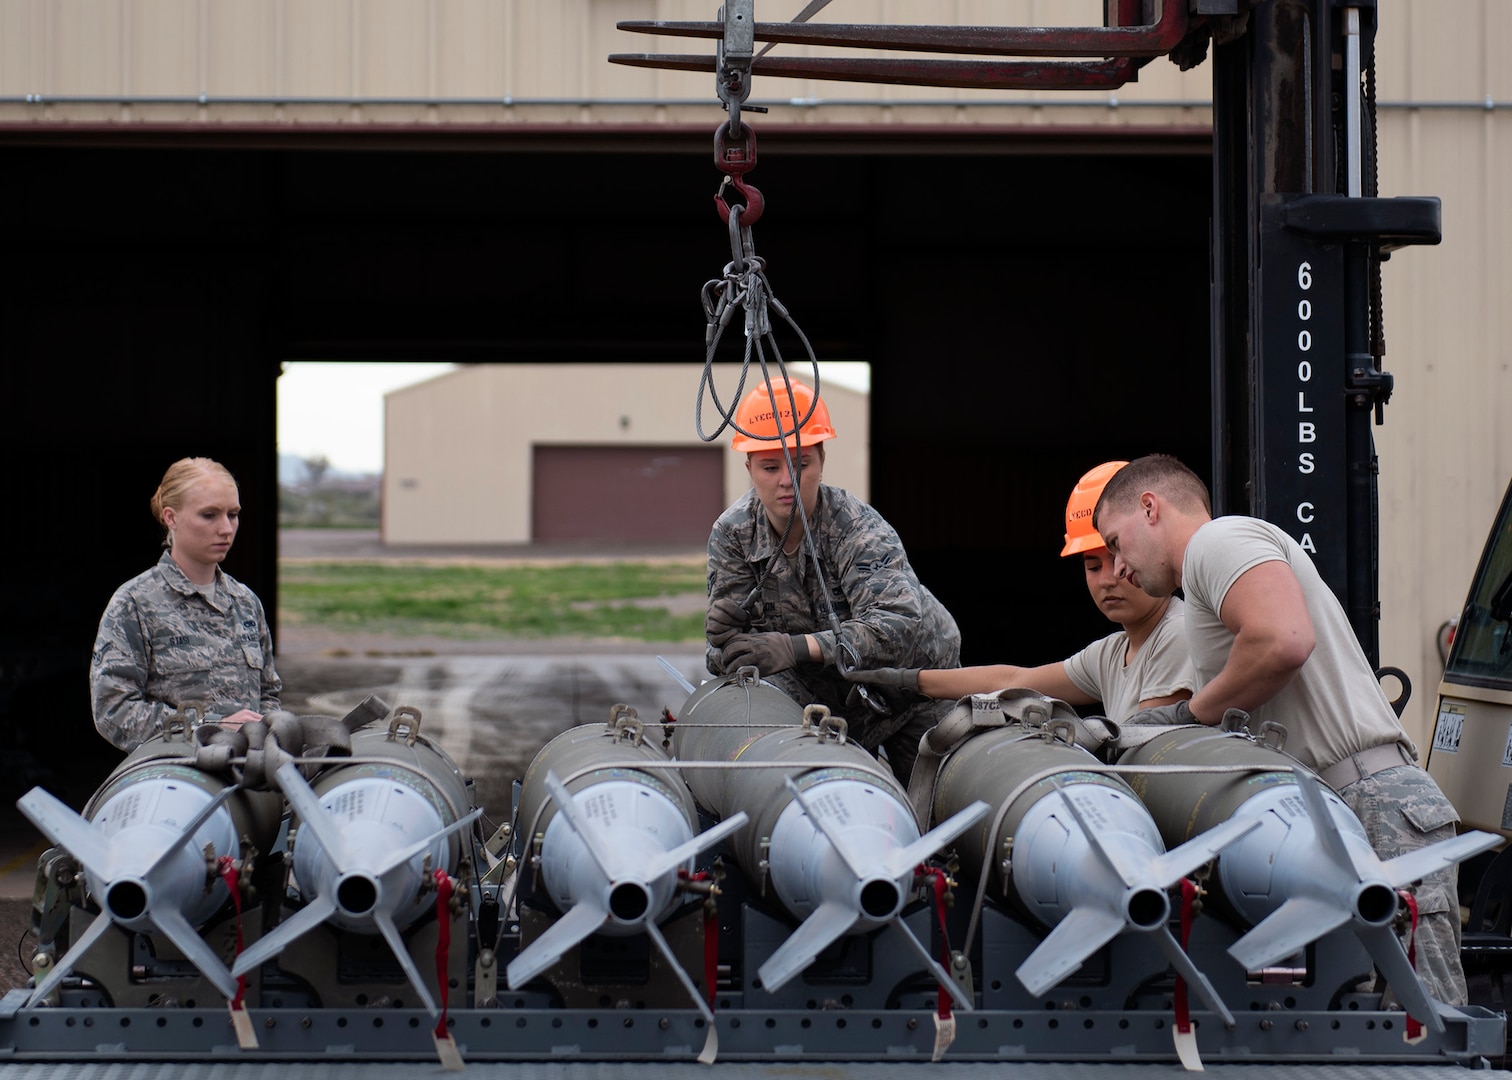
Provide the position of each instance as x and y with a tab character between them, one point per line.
1414	1027
228	872
711	949
942	1006
1183	1007
711	927
443	943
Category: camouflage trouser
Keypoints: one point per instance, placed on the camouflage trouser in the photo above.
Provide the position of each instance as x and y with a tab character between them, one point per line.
898	733
1402	810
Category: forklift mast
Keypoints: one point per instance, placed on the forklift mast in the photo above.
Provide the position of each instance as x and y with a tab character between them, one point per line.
1298	229
1299	235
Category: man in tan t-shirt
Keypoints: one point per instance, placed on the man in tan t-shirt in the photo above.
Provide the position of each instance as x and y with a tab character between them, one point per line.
1268	636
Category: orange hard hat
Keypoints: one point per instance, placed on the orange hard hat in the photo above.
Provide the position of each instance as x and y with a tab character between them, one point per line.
1080	535
755	416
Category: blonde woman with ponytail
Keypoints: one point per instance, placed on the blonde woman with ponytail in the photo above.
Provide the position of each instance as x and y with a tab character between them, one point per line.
185	633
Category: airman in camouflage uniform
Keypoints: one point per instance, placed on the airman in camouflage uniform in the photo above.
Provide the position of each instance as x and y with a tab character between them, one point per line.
794	551
164	645
886	615
185	632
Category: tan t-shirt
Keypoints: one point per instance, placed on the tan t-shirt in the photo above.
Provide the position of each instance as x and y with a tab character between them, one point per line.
1335	705
1162	667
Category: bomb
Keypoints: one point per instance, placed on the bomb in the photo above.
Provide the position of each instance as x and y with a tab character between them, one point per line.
830	830
1071	847
150	844
1307	870
370	833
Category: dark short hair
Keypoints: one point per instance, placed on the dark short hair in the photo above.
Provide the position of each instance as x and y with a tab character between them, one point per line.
1160	473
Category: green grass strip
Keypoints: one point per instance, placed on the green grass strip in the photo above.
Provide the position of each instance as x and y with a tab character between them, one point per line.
576	600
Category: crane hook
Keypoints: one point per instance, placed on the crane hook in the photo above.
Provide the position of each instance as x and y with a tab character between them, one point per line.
736	157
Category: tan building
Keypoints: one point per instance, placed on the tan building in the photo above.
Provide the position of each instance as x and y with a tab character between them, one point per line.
512	453
302	111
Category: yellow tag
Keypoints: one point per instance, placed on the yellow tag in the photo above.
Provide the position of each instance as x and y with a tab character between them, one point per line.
944	1035
241	1023
447	1052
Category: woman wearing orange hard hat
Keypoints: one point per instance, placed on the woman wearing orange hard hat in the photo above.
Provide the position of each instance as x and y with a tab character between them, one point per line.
806	580
769	419
757	425
1146	663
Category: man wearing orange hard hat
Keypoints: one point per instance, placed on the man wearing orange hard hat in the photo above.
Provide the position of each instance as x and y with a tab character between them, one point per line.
1269	637
807	581
1143	665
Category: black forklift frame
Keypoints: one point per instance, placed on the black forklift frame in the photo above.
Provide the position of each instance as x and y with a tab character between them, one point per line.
1298	229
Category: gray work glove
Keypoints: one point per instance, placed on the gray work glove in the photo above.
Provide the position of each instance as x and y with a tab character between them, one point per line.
1165	715
769	653
725	619
901	678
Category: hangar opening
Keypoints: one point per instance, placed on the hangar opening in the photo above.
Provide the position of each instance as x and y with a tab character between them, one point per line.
1029	305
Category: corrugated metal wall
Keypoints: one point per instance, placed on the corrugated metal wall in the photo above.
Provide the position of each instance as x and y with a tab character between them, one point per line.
488	62
1446	447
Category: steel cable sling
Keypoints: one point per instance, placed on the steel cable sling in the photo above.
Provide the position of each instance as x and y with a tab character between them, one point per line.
743	288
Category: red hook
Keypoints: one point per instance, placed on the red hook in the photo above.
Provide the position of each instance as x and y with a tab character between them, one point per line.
735	158
755	203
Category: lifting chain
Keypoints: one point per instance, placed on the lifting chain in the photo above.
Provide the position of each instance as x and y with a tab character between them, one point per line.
743	288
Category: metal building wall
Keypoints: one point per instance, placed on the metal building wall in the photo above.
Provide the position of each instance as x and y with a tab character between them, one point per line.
1446	447
457	465
486	62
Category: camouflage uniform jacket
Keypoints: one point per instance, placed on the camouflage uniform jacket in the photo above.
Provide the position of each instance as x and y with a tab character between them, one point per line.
885	614
163	646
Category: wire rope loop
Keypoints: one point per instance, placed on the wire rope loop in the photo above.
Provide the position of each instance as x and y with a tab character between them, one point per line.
738	237
744	286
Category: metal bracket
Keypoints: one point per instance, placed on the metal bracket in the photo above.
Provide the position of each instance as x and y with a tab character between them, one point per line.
818	720
625	725
1061	730
1272	734
406	719
733	57
1384	223
181	724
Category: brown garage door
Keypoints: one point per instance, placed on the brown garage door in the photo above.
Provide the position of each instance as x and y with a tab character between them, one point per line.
660	494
